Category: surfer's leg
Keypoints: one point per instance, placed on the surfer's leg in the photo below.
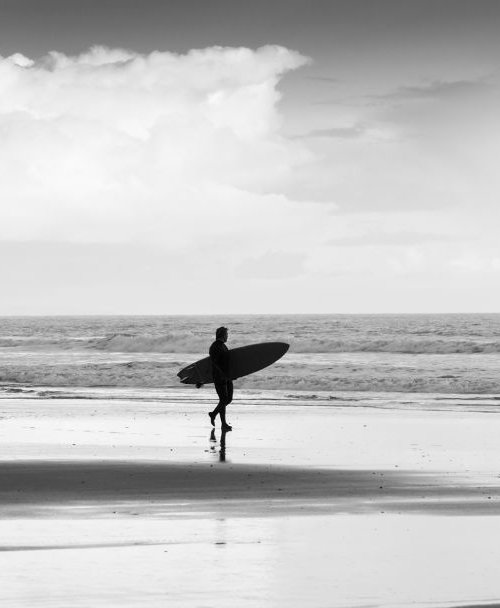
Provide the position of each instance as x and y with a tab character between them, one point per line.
225	393
228	395
222	394
226	398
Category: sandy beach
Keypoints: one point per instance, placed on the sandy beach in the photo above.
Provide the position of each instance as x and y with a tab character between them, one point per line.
139	504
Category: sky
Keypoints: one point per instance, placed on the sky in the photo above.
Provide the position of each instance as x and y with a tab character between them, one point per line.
220	156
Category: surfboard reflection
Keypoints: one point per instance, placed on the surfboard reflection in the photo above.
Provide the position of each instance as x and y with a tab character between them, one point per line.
222	445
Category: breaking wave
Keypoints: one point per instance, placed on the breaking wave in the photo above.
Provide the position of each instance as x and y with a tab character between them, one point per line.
176	343
167	343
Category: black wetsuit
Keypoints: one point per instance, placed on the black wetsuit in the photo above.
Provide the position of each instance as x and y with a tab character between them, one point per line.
220	372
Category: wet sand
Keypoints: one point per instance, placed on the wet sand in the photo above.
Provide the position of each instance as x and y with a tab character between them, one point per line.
69	488
139	504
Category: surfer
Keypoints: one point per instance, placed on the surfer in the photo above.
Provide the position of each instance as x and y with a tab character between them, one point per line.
220	372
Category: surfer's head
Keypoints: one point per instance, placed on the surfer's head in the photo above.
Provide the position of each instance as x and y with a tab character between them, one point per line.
221	333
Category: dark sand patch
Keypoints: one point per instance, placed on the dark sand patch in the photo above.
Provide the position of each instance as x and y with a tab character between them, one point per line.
110	487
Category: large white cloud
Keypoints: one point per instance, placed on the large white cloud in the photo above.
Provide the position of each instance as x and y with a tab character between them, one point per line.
112	145
177	166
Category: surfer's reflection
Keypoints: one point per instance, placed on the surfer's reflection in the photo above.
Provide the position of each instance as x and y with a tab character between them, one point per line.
213	447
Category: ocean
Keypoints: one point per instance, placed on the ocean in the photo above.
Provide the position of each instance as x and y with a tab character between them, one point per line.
330	355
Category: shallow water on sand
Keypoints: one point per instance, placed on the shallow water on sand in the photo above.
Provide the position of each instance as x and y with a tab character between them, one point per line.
377	560
413	432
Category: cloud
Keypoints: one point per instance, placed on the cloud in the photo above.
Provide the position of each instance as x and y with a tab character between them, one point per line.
438	89
323	79
448	111
349	132
115	146
425	146
474	262
394	239
273	265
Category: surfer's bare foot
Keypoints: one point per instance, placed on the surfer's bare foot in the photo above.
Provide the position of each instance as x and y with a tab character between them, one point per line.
226	427
212	418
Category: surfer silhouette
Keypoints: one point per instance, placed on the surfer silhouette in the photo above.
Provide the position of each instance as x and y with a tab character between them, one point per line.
220	371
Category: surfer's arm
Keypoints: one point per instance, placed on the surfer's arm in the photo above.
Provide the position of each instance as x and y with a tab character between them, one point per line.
223	373
220	361
224	363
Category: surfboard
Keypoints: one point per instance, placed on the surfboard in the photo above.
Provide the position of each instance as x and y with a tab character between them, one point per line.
243	361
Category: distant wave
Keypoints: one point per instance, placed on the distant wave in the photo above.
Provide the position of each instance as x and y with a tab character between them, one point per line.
178	342
167	343
406	345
